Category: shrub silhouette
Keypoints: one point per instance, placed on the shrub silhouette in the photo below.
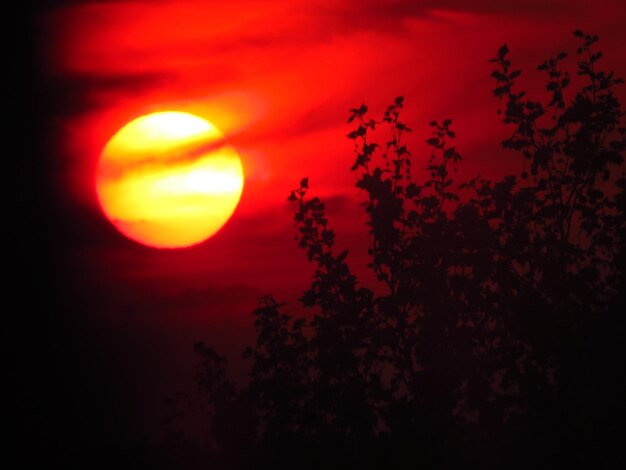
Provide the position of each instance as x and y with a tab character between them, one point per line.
496	335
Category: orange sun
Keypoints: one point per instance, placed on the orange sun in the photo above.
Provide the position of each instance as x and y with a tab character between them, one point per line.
167	180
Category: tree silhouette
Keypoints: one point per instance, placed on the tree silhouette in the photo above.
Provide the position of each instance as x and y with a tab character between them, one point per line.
495	337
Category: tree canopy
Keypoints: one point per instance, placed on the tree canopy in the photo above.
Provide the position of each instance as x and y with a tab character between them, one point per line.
496	336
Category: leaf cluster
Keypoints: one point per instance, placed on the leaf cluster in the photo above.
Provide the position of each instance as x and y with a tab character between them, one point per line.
496	314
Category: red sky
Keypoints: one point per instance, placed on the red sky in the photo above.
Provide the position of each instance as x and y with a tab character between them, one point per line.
278	78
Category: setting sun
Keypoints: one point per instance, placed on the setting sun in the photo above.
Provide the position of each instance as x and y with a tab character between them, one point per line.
168	180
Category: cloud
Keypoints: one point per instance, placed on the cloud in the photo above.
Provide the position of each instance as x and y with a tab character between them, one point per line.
73	94
389	17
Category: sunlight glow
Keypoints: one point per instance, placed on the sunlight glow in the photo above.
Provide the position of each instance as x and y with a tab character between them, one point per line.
166	181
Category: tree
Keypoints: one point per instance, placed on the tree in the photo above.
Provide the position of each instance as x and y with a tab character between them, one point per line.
496	338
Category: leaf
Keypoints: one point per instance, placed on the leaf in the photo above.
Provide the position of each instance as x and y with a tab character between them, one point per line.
503	51
449	153
342	256
360	132
498	76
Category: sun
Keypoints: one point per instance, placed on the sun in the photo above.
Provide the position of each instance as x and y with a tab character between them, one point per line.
168	180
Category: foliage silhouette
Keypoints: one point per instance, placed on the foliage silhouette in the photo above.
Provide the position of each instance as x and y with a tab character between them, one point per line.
495	336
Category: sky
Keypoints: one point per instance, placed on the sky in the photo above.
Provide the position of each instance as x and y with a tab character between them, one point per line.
278	79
